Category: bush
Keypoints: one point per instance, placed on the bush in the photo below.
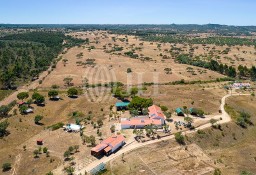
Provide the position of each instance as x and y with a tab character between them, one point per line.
6	167
129	70
56	126
72	92
38	118
3	128
244	119
180	138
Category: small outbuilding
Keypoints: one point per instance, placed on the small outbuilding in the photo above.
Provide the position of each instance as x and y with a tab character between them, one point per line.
123	105
39	142
179	112
29	110
73	128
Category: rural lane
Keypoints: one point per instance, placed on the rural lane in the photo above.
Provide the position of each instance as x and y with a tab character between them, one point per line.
134	145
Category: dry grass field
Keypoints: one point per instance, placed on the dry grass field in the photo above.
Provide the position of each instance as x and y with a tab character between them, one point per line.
112	65
23	131
166	157
233	147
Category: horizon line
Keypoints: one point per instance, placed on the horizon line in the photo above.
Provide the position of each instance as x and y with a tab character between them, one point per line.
251	25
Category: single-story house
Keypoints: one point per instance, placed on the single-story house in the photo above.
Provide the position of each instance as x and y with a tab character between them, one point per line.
122	105
72	127
139	122
179	112
156	113
108	146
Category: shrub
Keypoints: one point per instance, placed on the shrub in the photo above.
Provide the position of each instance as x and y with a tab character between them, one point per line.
129	70
72	92
179	138
38	118
6	167
56	126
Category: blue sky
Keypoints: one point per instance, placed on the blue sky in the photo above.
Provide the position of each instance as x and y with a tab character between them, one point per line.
232	12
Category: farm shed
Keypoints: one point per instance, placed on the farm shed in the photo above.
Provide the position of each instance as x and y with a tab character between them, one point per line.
108	146
179	112
122	105
73	128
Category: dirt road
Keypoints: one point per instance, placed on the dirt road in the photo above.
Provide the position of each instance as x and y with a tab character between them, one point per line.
25	88
134	145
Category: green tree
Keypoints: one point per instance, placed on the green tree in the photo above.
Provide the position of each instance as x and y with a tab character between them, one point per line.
71	149
67	154
22	109
70	170
139	103
217	172
188	120
36	152
4	110
112	128
179	138
92	140
168	115
129	70
164	108
39	99
38	118
22	95
72	92
49	173
100	122
134	91
45	150
53	93
6	167
3	127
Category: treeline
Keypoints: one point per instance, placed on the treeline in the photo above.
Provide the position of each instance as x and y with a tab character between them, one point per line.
242	72
220	41
25	55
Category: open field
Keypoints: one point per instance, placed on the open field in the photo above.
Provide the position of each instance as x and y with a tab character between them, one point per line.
234	146
23	131
112	65
166	157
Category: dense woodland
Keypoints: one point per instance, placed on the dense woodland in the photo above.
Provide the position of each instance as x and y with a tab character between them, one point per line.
140	29
24	56
242	72
220	41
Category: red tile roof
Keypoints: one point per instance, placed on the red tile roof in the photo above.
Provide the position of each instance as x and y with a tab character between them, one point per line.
155	111
137	121
109	143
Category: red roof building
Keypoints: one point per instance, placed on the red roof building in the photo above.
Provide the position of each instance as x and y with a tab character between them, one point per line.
156	117
108	145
